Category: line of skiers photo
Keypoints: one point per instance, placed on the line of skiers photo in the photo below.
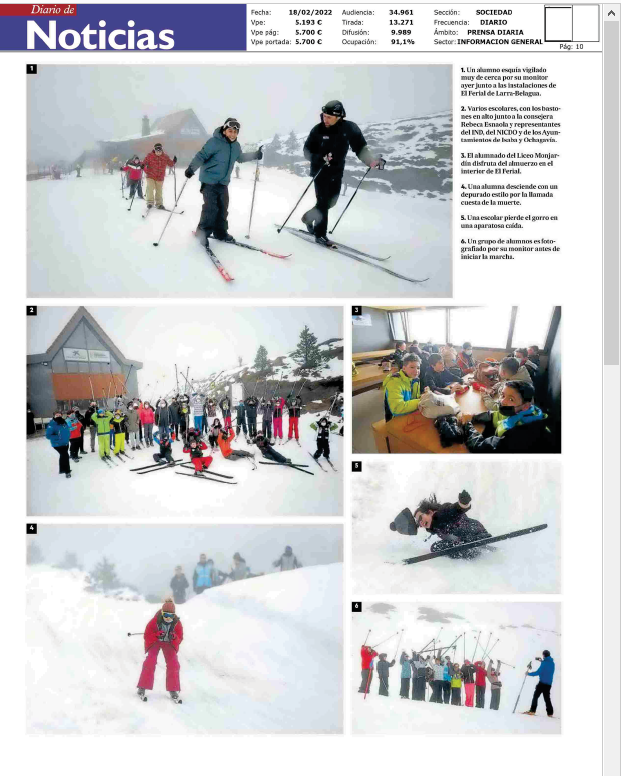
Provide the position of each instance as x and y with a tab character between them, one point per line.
207	576
443	676
134	422
164	632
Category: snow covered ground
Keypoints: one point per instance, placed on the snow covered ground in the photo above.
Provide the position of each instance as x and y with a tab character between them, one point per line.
523	630
95	489
259	656
506	496
83	242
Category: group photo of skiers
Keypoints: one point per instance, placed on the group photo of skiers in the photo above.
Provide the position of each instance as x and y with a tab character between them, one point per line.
486	394
488	669
257	404
456	529
309	189
222	619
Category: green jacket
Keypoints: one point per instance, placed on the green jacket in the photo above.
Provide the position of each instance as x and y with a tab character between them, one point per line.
401	395
102	423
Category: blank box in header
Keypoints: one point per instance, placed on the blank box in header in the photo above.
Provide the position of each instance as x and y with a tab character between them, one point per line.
558	24
571	23
586	23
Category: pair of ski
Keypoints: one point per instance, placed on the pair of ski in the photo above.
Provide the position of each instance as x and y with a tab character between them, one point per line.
476	543
213	476
334	469
301	467
164	210
174	700
290	440
153	467
219	266
346	250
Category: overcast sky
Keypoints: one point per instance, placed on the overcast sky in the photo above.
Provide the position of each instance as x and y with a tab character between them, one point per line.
146	555
71	107
205	338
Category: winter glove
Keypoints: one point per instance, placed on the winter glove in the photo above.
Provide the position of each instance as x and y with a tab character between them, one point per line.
173	637
174	160
189	172
260	153
327	158
379	164
465	498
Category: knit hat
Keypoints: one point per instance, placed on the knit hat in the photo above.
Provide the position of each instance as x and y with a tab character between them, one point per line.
168	606
237	556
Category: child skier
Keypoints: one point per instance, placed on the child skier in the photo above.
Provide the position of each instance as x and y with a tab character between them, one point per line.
58	432
75	435
165	453
133	168
295	407
468	672
455	685
179	584
119	424
493	677
103	422
154	165
162	416
225	407
197	407
481	676
214	432
241	419
267	451
195	448
322	427
251	414
164	632
225	437
268	415
383	669
279	404
147	418
133	425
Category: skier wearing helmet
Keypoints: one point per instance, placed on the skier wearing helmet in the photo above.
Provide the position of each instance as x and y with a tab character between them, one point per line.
164	632
322	427
287	561
216	160
133	168
326	149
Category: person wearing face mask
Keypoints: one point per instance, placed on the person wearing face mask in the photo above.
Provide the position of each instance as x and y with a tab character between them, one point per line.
154	165
326	149
509	369
518	426
162	417
439	379
522	356
89	424
402	391
216	160
58	432
147	419
133	419
465	359
75	436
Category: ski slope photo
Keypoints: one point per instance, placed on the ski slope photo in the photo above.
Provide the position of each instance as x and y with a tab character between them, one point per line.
87	238
198	354
261	655
505	497
516	634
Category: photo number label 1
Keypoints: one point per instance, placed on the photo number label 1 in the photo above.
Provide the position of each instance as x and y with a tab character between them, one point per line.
31	69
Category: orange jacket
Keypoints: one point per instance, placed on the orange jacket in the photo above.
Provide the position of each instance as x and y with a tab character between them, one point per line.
224	442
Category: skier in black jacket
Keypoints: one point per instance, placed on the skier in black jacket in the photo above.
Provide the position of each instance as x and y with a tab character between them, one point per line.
88	423
179	584
383	669
267	451
449	522
326	148
251	404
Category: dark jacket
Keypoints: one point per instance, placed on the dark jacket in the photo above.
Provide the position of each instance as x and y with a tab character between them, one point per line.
241	413
174	413
87	417
58	433
179	585
293	409
383	668
447	519
225	406
531	438
398	357
335	140
163	415
468	673
251	408
438	381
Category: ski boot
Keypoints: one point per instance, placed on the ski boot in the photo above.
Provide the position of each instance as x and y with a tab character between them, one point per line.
325	242
149	206
225	237
160	207
174	696
142	694
68	475
308	224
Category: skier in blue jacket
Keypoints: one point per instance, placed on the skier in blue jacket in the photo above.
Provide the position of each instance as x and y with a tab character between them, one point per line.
216	160
545	672
58	432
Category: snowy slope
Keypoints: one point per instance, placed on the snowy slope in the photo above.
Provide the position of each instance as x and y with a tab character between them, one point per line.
270	491
516	625
263	655
500	500
83	242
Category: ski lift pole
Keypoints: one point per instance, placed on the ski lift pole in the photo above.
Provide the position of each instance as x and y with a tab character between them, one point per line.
351	200
254	188
529	668
280	228
171	213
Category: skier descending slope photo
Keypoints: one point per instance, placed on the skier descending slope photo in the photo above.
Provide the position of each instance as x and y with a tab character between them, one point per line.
163	633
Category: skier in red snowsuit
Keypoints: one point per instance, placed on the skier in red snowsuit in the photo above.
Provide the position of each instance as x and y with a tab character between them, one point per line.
195	449
367	654
294	407
164	632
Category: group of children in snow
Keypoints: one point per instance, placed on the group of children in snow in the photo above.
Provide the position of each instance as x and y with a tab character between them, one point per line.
206	575
134	423
164	632
513	421
446	678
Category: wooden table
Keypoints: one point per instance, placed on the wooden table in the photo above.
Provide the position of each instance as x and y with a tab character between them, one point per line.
369	376
371	354
414	433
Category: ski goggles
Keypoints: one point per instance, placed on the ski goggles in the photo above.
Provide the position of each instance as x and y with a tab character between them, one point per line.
167	615
232	124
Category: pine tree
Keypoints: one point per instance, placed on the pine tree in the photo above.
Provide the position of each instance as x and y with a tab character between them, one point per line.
261	363
271	151
308	354
70	561
292	143
104	576
33	554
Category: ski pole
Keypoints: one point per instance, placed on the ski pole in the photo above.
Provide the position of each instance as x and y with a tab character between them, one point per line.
177	378
175	179
476	647
171	213
388	639
529	667
122	185
451	645
254	188
366	689
487	654
464	635
486	646
398	645
136	634
502	663
366	637
351	200
280	228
